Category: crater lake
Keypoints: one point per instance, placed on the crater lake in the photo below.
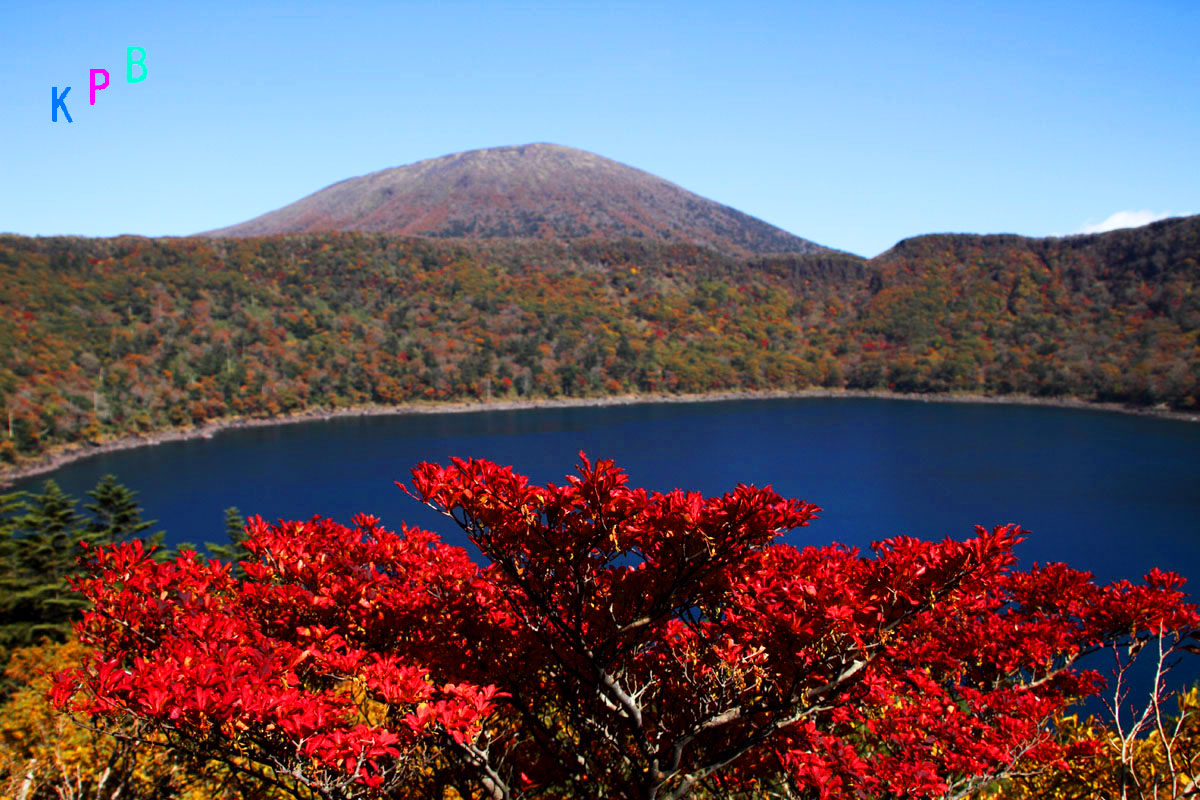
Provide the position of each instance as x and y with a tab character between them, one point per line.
1111	493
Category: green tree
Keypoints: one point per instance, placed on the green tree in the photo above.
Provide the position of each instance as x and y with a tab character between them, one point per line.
40	538
116	515
235	550
42	544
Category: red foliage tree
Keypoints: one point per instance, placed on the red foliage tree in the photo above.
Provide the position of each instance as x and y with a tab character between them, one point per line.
617	643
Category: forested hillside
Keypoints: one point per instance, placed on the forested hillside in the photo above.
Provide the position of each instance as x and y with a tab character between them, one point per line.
102	338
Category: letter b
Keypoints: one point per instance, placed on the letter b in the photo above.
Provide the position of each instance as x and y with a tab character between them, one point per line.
131	62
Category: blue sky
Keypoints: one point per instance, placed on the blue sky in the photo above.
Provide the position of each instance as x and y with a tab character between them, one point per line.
852	124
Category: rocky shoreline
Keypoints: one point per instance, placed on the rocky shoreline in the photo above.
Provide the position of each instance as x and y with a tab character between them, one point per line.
54	460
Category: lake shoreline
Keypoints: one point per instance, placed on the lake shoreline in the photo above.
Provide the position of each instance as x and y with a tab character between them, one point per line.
61	458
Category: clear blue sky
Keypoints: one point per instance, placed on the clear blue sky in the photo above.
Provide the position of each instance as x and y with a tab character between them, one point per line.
852	124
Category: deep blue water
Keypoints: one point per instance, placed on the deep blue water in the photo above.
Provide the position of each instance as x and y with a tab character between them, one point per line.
1110	493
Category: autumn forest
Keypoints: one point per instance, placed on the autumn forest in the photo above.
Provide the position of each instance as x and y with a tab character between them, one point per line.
108	338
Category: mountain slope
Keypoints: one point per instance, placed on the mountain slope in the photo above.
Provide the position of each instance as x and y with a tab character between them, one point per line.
108	338
534	190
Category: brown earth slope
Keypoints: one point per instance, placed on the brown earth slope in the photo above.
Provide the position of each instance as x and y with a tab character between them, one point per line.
534	190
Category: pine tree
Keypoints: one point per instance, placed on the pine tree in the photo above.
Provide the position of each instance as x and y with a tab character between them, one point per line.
12	507
51	531
235	551
40	537
235	525
116	515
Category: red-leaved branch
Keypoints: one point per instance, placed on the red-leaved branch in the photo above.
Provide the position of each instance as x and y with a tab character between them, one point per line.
615	643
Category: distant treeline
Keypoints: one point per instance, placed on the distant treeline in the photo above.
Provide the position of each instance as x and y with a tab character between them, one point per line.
103	338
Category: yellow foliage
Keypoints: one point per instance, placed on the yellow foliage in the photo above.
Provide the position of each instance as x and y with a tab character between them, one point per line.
46	754
1162	763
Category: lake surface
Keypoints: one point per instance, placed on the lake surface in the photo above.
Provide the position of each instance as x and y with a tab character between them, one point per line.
1110	493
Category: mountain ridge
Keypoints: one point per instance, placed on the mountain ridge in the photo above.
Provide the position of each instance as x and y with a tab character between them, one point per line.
537	190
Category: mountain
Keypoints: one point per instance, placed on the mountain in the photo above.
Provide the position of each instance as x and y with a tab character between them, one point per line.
534	190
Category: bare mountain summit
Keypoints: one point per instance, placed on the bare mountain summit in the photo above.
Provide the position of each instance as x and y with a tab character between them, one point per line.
533	190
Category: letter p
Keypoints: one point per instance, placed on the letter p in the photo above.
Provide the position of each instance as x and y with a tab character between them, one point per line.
94	87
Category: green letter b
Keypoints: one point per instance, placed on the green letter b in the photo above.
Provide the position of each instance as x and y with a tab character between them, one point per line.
131	62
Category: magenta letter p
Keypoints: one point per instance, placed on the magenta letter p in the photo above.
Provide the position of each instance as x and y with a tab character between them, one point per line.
94	87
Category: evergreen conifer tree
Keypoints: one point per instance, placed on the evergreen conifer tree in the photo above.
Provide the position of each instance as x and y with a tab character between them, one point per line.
12	506
235	551
40	537
116	515
47	540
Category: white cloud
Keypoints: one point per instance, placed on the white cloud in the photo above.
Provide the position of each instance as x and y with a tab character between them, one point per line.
1124	219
